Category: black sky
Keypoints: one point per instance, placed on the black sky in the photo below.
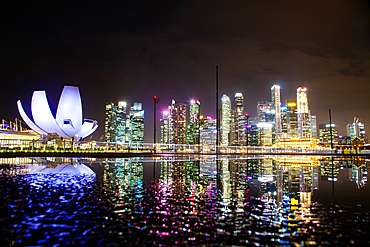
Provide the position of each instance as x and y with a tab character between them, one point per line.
136	49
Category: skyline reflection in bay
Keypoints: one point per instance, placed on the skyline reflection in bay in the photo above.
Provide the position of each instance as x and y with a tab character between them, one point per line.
261	200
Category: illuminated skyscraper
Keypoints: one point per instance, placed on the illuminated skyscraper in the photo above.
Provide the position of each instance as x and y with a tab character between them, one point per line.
240	120
110	122
121	122
136	123
164	126
208	132
313	127
275	106
284	121
304	118
264	112
239	109
226	120
324	134
117	122
356	129
194	110
177	123
192	127
292	118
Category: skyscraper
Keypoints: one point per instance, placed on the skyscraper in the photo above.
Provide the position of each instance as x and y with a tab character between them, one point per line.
239	109
226	118
303	113
240	120
136	123
356	129
194	110
177	123
292	118
121	121
121	126
192	127
313	127
164	127
276	105
264	112
110	122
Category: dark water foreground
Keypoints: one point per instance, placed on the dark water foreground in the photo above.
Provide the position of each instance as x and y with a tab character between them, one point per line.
179	206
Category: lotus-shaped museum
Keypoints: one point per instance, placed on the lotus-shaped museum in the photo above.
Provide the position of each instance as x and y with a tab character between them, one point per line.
66	121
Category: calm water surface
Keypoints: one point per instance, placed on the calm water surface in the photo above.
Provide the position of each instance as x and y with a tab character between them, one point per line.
203	201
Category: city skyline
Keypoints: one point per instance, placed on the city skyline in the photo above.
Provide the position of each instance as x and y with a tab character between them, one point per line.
134	51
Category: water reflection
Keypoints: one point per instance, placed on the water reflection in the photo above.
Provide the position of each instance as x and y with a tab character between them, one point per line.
263	200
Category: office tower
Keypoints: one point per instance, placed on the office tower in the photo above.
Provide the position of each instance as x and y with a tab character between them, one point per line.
239	109
284	121
240	120
164	127
208	132
264	112
252	137
275	106
304	118
292	118
324	134
110	122
226	119
313	127
194	110
117	122
136	123
265	134
121	121
177	123
192	127
356	129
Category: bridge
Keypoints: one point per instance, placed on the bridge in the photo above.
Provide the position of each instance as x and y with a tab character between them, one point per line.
11	147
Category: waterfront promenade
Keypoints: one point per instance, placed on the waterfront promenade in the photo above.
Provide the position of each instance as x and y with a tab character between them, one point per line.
38	148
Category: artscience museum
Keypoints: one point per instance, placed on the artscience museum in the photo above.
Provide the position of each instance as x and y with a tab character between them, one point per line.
66	121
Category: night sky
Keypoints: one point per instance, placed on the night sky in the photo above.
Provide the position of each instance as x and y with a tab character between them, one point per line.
134	50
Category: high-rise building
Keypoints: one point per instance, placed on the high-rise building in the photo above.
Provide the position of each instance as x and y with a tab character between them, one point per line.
313	127
192	127
276	105
304	117
208	132
265	134
136	123
264	112
284	122
356	129
121	121
292	118
164	127
226	119
324	134
110	122
194	110
177	123
239	109
240	120
121	126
